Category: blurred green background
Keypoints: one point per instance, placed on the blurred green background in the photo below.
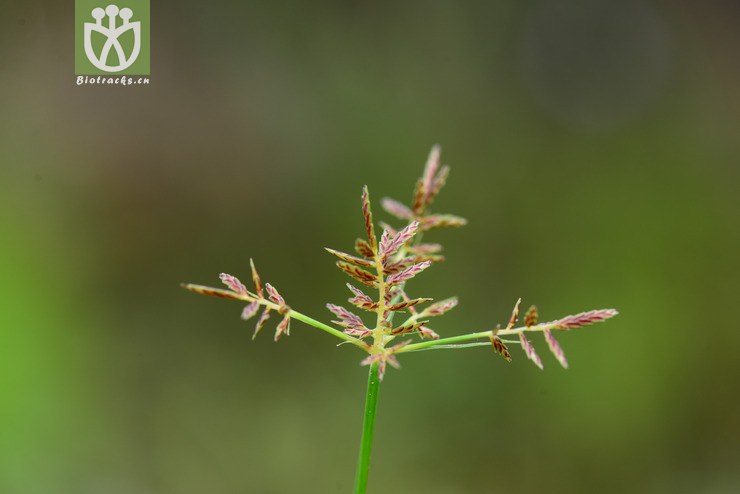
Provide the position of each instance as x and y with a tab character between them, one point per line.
594	149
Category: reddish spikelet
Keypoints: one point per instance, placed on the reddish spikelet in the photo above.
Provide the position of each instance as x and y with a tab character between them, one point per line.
358	333
585	318
425	332
500	347
408	328
368	215
364	277
531	316
386	226
555	348
439	308
396	209
381	359
407	273
529	350
361	300
233	283
400	239
283	328
347	319
430	171
261	322
250	310
441	221
349	258
514	315
407	304
437	184
385	242
256	280
273	294
363	248
423	249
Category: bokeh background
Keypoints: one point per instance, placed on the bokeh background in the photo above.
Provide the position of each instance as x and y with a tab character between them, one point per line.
594	149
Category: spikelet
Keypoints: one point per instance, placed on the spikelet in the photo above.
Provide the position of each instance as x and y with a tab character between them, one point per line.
359	274
363	248
261	322
283	327
396	208
368	215
233	283
256	280
398	240
350	258
407	304
499	346
439	308
584	318
273	294
529	350
250	310
346	318
407	273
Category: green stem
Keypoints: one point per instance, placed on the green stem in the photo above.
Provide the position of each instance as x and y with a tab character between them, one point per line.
251	297
368	426
474	336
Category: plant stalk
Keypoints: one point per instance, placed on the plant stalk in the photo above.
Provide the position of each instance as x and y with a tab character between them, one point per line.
368	426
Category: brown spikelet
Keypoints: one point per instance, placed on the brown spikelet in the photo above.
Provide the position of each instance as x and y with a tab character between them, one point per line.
500	347
256	280
404	296
364	277
213	292
408	328
407	303
368	215
363	248
349	258
417	202
531	316
514	315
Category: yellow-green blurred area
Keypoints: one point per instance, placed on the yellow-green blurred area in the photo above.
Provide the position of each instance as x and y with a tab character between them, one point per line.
594	149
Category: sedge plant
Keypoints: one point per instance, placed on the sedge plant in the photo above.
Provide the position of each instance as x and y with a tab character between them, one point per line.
381	268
